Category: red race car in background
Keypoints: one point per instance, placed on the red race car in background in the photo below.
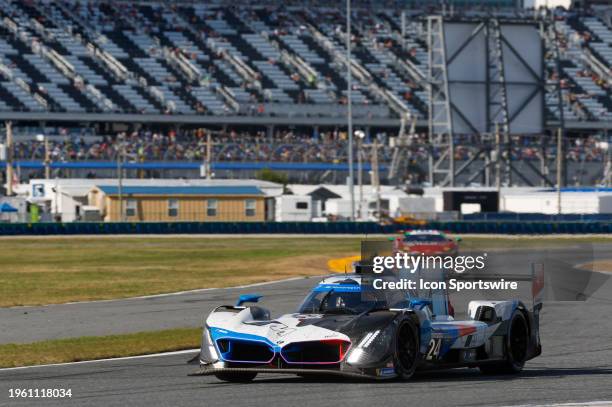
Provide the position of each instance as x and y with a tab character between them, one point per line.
428	242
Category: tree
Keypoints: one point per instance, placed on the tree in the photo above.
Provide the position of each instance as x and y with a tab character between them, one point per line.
273	176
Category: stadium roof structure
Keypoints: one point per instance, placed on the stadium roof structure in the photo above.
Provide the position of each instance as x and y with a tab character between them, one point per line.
184	190
158	182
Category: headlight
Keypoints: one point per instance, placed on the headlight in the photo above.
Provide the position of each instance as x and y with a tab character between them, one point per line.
372	347
355	356
368	339
208	352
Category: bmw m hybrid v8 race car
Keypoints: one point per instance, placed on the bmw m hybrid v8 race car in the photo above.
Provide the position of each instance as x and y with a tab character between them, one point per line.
342	328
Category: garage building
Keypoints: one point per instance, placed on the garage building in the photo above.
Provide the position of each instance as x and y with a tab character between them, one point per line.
178	203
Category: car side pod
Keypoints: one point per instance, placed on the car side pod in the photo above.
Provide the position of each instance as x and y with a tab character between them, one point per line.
247	298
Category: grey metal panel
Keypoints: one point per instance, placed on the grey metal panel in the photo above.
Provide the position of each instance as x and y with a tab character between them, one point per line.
466	51
531	117
470	100
526	41
467	62
470	63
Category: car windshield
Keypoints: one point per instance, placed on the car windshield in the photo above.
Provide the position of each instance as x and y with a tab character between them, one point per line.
351	300
424	238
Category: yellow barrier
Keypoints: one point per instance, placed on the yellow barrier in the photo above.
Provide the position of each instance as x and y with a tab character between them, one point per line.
342	264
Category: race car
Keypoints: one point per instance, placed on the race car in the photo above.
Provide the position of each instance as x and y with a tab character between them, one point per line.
345	327
427	242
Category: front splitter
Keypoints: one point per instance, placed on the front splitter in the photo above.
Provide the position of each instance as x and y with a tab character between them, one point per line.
207	371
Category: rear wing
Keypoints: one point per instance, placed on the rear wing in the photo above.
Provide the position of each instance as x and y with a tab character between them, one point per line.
536	277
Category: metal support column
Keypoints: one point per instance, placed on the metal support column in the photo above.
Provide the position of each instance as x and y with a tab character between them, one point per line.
349	109
441	157
497	101
553	38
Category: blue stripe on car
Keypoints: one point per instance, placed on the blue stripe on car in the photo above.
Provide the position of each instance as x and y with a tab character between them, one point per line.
338	288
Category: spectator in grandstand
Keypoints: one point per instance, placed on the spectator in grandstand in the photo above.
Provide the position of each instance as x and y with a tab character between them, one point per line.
282	146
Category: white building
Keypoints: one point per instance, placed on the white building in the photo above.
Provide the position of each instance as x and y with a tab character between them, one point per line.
566	4
335	201
293	208
536	199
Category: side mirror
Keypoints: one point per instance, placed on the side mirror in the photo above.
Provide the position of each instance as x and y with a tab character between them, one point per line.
248	298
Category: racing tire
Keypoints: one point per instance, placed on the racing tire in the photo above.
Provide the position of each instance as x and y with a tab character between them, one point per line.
407	354
241	377
517	343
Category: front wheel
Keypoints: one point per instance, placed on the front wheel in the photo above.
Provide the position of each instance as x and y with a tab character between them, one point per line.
517	343
406	355
241	377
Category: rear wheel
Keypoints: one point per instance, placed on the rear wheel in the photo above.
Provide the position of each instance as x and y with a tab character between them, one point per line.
239	377
517	343
406	349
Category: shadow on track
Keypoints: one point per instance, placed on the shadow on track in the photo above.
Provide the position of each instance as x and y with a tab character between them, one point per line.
449	376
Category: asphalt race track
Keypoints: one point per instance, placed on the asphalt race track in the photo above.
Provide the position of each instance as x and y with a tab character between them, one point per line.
576	365
28	324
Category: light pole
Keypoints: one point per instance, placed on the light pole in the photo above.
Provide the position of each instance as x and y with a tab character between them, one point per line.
607	169
47	162
559	167
9	158
206	171
376	177
360	136
208	156
349	108
120	154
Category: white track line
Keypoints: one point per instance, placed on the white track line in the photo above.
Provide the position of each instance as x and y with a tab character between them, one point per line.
576	404
82	362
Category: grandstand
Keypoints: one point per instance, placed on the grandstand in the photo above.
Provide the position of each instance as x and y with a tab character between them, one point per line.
256	72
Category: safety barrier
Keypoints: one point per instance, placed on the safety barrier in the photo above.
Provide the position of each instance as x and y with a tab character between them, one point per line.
363	228
537	217
524	228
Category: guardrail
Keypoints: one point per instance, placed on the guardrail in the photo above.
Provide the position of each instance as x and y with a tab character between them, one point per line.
363	228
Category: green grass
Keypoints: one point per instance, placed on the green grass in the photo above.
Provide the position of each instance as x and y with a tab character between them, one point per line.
98	347
49	270
36	271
